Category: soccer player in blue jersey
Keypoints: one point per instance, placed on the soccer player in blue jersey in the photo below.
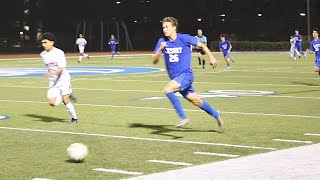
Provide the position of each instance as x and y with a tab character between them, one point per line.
315	48
176	49
199	50
113	45
298	44
225	49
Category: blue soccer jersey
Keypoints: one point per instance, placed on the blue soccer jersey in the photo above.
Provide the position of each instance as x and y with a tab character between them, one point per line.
315	46
225	46
177	53
113	43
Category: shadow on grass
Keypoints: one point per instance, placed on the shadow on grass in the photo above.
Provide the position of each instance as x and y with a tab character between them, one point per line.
163	129
45	118
304	83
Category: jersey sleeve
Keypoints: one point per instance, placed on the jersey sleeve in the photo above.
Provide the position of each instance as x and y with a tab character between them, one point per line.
311	46
62	62
190	40
158	45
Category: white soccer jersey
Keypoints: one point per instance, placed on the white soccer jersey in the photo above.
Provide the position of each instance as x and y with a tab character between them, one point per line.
81	42
53	60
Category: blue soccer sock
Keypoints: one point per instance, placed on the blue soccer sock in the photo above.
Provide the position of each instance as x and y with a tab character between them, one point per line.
177	105
112	55
207	108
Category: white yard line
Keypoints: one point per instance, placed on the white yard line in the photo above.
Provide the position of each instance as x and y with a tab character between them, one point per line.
138	138
292	141
117	171
310	134
168	109
138	90
216	154
296	163
170	162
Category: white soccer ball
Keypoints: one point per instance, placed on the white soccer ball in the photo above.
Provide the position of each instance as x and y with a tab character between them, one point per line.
77	152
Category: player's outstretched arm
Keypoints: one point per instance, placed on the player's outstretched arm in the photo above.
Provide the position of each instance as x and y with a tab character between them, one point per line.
213	60
156	56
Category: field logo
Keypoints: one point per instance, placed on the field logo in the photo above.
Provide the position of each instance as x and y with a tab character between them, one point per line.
77	71
3	117
221	94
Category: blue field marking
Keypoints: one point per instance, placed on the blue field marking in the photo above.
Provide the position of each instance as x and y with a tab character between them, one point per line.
77	71
4	117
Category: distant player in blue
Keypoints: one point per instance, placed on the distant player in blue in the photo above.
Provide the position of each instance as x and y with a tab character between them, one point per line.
113	42
199	50
315	48
225	49
298	44
176	49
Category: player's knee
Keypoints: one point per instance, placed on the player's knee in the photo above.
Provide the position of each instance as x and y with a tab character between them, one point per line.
167	90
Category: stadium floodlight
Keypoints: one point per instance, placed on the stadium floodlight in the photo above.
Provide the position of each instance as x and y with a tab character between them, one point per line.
302	14
222	15
26	28
118	2
259	14
21	33
199	19
135	21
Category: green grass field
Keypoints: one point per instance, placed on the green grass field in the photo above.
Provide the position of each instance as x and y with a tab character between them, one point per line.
123	133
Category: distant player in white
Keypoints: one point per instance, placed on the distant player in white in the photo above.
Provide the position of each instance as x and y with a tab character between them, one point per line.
293	48
59	78
81	42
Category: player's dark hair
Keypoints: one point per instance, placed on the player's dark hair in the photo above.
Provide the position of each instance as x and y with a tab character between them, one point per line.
49	36
315	29
296	30
172	20
222	35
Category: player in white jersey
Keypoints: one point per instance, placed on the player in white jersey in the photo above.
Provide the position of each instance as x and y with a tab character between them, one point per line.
81	42
293	48
59	78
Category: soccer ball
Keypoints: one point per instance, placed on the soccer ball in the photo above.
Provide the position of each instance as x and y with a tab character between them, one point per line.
77	152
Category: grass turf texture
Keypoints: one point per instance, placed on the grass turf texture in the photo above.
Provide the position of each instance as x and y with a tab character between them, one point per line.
107	105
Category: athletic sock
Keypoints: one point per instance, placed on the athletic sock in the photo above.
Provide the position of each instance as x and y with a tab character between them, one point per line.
203	62
177	105
207	108
80	58
199	61
71	110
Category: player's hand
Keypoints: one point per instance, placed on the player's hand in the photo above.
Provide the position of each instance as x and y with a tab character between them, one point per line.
214	63
47	75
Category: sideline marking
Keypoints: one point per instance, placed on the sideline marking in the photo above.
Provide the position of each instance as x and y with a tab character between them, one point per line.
117	171
310	134
296	141
216	154
138	138
170	162
169	109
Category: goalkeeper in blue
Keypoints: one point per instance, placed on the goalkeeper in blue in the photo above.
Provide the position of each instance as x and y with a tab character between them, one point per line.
176	49
315	48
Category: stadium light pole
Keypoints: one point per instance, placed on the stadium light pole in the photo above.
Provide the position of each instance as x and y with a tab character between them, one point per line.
308	17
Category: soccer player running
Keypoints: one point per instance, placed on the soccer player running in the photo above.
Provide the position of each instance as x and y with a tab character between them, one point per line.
199	50
298	44
293	48
81	42
113	45
225	49
59	78
176	49
315	48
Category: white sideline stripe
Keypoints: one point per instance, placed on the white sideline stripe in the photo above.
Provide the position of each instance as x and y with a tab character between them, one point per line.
310	134
117	171
216	154
138	90
139	138
170	162
169	109
295	141
40	179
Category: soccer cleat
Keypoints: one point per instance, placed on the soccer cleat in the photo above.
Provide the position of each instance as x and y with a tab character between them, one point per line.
88	57
182	123
202	67
219	120
73	98
73	121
